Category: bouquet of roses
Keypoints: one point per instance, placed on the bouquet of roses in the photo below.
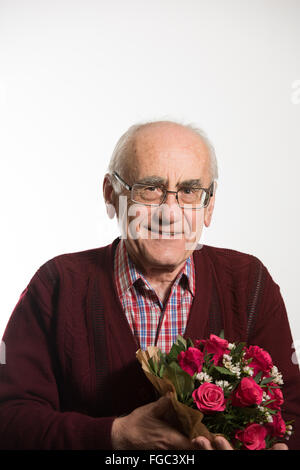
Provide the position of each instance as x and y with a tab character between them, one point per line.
223	388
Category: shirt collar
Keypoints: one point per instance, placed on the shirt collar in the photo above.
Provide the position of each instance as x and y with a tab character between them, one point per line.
127	274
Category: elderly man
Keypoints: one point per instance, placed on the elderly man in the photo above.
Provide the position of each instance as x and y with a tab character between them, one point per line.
71	378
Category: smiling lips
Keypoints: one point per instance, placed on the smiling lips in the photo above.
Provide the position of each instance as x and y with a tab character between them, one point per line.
160	232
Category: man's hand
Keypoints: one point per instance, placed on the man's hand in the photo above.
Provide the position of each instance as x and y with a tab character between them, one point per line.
147	428
220	443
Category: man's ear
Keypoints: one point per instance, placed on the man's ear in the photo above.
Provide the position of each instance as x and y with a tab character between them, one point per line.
208	211
109	196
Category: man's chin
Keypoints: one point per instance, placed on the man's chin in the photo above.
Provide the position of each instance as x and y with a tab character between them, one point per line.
162	248
164	252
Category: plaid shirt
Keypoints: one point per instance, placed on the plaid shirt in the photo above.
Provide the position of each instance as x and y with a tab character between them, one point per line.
151	322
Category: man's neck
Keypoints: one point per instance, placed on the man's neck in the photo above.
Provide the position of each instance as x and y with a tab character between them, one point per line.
162	283
161	280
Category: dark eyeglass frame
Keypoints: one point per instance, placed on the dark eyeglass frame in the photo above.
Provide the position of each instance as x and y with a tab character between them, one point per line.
209	191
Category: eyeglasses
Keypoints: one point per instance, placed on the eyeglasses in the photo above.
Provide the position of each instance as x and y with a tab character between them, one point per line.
154	194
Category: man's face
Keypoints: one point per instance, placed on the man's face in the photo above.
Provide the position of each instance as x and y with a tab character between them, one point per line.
163	237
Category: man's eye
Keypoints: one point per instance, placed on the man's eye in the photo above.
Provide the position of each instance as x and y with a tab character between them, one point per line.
187	190
152	188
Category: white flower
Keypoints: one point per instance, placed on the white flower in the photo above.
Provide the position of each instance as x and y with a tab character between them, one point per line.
231	346
203	377
267	417
248	370
227	362
226	358
266	396
277	375
222	383
288	430
236	370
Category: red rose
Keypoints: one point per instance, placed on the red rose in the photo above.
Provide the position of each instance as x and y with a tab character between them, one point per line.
261	359
209	398
216	346
252	437
277	427
275	394
191	360
247	393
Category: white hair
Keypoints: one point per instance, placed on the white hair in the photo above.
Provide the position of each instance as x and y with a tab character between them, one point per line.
118	159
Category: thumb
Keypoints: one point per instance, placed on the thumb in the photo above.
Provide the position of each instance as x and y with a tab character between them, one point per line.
280	446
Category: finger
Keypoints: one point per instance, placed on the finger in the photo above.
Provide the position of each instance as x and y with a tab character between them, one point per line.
174	440
220	443
203	443
279	446
180	442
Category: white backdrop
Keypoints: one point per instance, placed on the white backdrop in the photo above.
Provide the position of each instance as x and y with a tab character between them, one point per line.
74	75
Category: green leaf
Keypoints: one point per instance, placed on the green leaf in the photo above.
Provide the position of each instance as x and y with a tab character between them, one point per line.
173	354
223	370
182	381
153	365
221	334
291	422
266	380
269	441
208	358
269	410
161	370
181	342
265	404
228	416
258	377
248	411
238	349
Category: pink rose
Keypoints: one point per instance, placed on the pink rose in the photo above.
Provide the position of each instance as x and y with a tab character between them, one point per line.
247	393
191	360
216	346
275	394
209	398
277	427
252	437
261	359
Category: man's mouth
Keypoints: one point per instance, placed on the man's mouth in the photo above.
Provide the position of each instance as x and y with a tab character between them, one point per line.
163	232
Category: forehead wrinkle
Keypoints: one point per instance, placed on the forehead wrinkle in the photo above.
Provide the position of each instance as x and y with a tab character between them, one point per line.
155	179
152	179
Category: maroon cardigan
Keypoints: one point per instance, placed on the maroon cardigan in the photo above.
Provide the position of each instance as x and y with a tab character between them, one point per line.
70	354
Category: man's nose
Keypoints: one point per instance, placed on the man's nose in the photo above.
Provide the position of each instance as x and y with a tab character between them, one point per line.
171	197
171	200
169	211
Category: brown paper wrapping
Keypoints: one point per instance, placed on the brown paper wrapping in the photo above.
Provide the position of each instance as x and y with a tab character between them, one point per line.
189	420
